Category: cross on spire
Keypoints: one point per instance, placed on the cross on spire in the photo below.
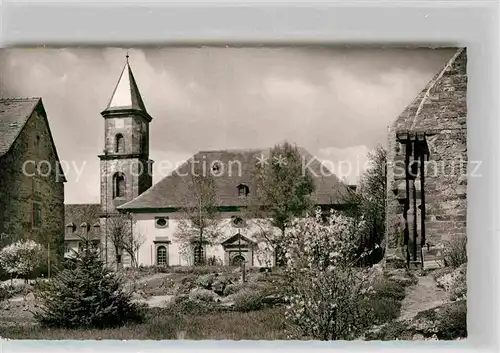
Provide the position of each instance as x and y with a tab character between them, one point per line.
127	56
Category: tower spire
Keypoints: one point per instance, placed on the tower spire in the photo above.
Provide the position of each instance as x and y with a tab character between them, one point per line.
126	95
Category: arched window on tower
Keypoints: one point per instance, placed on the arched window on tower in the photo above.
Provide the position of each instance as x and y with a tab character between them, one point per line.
119	185
119	144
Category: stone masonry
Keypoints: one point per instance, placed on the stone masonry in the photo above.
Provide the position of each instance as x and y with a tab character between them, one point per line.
125	154
40	184
427	167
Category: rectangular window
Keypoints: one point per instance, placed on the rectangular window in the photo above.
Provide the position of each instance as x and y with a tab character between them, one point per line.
37	215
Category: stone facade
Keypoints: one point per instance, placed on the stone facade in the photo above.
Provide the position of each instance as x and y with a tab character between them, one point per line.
31	180
427	166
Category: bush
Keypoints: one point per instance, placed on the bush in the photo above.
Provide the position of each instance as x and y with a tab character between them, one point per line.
394	330
248	300
202	294
455	252
384	309
454	282
452	321
214	261
22	258
205	281
4	293
220	284
384	303
232	289
88	295
183	305
389	289
9	291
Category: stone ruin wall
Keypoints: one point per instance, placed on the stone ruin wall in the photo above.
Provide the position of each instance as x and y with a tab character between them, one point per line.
437	120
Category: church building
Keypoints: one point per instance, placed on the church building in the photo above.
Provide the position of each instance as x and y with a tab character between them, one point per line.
155	213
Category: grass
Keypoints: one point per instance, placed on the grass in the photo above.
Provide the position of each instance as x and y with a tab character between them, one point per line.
163	324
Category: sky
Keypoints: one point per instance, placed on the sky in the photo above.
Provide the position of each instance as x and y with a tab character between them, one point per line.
335	102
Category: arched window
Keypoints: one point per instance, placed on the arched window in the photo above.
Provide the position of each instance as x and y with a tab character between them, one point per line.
119	185
119	143
243	190
161	256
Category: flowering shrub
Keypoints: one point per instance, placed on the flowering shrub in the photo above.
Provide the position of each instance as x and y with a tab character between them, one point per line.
21	258
325	287
455	283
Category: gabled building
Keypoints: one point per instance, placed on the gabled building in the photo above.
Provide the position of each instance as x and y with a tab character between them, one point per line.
82	223
31	177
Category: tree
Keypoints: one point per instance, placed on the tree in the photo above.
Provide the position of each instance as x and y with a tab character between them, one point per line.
123	238
200	223
325	288
284	190
369	201
21	258
131	245
85	295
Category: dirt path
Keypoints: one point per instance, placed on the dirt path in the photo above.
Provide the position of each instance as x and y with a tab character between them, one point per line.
423	296
154	277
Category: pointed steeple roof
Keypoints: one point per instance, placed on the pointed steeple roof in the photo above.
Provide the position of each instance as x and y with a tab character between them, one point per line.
126	94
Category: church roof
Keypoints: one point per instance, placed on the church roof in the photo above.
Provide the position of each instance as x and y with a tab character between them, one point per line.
126	94
236	168
76	215
14	113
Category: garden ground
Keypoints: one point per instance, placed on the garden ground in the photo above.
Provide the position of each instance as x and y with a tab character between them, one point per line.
210	303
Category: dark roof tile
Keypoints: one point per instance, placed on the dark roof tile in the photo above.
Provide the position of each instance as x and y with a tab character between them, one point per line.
76	215
237	167
14	112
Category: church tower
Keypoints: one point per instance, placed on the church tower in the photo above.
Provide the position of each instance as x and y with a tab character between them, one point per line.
126	170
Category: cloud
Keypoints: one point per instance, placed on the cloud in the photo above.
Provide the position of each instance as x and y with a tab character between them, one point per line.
347	163
289	89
